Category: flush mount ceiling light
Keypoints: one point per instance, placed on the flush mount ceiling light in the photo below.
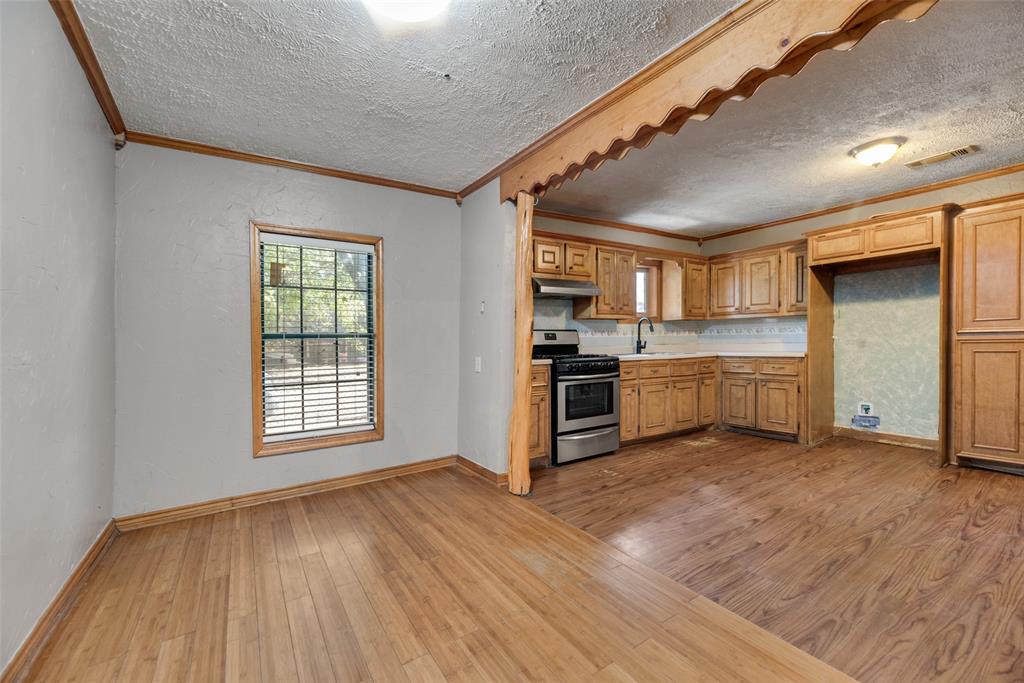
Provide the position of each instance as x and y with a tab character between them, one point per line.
877	152
407	11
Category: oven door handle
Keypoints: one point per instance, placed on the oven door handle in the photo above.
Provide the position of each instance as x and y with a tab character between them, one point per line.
589	435
574	378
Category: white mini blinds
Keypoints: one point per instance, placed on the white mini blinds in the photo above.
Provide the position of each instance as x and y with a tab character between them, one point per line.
318	337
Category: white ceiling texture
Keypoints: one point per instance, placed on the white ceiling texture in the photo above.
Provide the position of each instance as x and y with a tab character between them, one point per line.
953	78
319	81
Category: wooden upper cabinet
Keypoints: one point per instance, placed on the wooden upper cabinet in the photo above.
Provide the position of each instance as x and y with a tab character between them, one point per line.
760	280
901	234
988	269
579	260
608	301
547	256
794	262
695	290
725	288
625	275
989	415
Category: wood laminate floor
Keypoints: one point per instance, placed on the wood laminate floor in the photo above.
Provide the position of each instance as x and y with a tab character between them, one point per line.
435	576
860	554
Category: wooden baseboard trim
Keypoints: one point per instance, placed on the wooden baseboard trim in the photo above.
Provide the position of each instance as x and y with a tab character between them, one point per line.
210	507
20	665
892	439
479	470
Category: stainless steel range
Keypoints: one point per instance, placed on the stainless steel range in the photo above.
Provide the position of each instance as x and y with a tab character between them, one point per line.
585	391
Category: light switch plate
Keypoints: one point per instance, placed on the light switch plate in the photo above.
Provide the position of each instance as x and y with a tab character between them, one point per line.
477	363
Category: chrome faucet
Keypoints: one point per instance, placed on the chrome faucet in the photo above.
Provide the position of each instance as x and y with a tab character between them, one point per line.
640	346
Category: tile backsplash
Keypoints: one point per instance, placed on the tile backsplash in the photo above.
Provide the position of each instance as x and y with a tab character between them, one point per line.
608	336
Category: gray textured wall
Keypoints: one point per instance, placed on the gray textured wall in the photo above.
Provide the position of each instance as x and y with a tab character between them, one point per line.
56	317
887	348
184	430
488	259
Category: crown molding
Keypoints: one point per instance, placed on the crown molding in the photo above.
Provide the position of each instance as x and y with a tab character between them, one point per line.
211	150
921	189
75	32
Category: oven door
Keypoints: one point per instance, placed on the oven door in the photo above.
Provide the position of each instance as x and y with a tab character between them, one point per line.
587	402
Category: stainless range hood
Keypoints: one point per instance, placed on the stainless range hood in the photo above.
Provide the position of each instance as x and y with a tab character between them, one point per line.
550	288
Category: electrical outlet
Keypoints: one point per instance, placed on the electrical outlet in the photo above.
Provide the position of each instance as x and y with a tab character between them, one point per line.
865	408
477	363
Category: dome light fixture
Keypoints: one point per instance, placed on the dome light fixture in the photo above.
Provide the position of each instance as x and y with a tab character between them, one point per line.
877	152
407	11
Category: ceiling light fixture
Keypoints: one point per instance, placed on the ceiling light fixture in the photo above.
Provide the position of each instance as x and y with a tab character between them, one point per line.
407	11
877	152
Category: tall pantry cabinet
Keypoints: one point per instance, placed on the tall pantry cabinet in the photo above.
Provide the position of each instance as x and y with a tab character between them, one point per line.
988	334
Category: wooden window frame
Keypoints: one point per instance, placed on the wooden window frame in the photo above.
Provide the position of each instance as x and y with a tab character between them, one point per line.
653	268
259	447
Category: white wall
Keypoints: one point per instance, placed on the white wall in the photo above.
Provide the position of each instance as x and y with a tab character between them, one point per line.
56	317
488	261
183	376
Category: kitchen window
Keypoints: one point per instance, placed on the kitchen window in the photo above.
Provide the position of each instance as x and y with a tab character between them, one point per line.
648	277
316	339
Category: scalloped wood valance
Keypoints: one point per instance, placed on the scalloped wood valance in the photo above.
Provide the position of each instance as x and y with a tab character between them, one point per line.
728	60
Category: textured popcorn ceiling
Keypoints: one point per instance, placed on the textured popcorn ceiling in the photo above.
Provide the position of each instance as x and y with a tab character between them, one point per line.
318	81
954	77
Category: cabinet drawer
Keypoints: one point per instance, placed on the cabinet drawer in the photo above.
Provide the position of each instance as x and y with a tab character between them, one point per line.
707	366
682	368
839	244
649	370
628	371
778	366
744	365
539	376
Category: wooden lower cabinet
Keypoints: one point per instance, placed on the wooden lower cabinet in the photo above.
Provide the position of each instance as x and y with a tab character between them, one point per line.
778	405
989	382
629	411
707	401
685	398
739	401
539	443
655	408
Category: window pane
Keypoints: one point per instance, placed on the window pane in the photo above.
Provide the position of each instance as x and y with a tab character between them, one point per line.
321	378
641	291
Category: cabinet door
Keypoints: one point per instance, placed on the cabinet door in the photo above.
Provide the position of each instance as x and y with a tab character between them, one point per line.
989	270
655	408
684	404
629	411
760	279
579	260
695	301
738	401
725	288
837	245
607	302
547	256
540	424
795	279
707	401
988	416
625	270
777	403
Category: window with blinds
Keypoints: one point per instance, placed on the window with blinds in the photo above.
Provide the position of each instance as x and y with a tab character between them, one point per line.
318	338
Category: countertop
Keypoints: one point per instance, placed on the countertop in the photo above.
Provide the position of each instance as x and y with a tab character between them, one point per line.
542	361
711	354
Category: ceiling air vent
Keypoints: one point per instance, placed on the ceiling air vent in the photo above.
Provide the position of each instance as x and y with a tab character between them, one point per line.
952	154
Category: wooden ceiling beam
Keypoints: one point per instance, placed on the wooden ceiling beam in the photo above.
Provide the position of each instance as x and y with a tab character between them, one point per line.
728	60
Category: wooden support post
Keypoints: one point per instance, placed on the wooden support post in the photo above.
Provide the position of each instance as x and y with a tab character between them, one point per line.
519	422
820	362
